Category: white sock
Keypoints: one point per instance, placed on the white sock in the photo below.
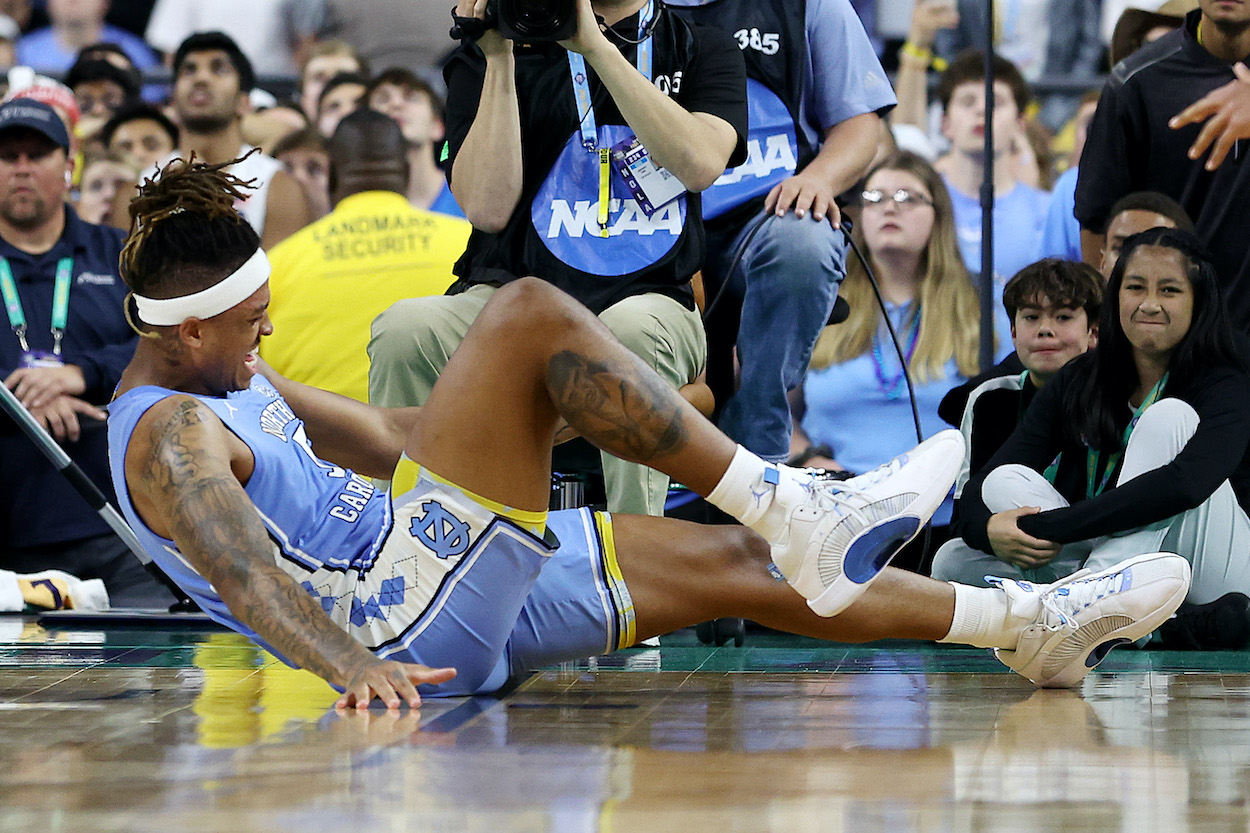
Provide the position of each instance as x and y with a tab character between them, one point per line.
985	619
745	490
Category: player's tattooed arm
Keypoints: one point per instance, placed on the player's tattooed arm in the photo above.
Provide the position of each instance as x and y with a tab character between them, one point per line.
184	471
622	410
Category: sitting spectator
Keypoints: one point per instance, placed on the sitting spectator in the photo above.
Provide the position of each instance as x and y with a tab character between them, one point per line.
1133	214
326	60
854	398
1139	446
374	248
62	362
1019	210
1053	305
1057	40
211	82
75	24
306	156
103	176
342	94
418	109
140	134
273	33
101	89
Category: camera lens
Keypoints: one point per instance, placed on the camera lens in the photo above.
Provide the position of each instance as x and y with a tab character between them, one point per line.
538	20
536	13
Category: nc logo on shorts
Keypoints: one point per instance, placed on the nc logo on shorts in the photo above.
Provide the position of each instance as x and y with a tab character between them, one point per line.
565	214
446	535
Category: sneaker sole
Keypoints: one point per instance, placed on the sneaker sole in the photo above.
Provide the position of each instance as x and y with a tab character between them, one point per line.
1092	655
867	555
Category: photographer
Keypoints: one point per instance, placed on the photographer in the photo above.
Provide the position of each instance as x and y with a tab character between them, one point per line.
529	126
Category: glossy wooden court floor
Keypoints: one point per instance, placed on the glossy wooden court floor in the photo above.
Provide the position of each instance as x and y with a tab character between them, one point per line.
182	730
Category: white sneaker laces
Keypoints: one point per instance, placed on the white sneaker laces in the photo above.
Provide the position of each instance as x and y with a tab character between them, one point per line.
828	495
1067	600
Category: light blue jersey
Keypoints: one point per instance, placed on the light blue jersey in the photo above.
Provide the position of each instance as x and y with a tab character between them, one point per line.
325	520
447	578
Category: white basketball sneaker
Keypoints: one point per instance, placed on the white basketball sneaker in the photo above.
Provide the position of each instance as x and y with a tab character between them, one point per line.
840	535
1082	617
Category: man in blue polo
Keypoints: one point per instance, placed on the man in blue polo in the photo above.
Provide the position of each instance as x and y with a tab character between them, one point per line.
776	248
67	344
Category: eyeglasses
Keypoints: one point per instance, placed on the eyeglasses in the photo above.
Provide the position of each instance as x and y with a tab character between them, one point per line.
901	198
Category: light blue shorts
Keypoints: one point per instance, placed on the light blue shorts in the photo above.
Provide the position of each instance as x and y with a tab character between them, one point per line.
512	601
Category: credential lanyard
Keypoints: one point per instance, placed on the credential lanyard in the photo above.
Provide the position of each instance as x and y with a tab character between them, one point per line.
587	124
1092	455
60	302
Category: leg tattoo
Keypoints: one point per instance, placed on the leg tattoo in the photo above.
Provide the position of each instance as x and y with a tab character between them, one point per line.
623	409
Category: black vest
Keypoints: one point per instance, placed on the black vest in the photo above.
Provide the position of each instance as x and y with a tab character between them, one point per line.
773	39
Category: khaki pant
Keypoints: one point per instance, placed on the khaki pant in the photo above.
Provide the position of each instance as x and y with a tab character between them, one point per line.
413	340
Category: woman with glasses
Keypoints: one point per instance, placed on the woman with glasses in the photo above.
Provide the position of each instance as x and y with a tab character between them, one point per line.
854	406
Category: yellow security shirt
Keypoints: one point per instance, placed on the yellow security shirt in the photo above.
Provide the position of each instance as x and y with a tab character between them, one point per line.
333	277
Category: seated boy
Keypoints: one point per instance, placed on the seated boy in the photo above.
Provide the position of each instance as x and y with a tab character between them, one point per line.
1053	306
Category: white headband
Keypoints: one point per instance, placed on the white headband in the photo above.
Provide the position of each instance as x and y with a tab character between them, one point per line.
236	287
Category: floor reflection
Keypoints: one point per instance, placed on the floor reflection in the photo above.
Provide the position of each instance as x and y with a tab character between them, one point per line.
137	731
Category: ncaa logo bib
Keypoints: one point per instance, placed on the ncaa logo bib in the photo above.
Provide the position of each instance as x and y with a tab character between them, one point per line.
772	154
565	214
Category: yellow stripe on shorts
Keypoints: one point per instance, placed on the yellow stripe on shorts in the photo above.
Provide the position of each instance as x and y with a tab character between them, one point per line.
533	522
626	621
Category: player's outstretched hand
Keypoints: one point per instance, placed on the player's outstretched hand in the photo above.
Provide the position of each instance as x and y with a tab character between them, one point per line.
394	683
1226	111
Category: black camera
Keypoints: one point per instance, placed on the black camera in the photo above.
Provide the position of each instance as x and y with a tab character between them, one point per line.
527	21
534	20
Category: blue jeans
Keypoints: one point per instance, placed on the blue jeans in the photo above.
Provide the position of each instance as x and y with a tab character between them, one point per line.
780	297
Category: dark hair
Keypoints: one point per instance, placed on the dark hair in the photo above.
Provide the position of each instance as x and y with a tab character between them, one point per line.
338	81
1106	377
1155	203
101	48
309	138
407	80
138	112
86	70
969	66
1063	283
213	41
185	234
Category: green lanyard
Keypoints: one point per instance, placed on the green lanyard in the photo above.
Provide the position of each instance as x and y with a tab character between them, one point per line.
1114	459
60	302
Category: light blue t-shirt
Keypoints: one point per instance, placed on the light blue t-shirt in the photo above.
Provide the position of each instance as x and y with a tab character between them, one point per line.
1061	236
860	407
41	50
1019	217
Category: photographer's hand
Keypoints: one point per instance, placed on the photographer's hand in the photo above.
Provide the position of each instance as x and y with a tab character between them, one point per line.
693	146
491	43
589	37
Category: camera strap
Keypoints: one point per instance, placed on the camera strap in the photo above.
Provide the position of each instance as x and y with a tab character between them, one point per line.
587	124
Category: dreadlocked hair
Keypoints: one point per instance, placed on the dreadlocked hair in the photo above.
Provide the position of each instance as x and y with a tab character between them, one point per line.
185	234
